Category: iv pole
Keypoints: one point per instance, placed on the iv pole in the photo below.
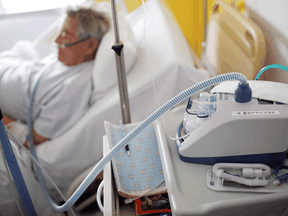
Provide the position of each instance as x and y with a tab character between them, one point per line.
119	56
122	82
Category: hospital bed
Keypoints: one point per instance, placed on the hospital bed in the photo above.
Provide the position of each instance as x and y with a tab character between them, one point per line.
233	42
173	69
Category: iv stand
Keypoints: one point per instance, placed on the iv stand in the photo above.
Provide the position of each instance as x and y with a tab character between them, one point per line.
119	56
122	82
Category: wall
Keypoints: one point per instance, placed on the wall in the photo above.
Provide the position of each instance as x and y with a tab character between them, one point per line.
190	17
24	26
188	13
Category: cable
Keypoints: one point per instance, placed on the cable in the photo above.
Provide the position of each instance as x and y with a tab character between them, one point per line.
32	148
148	55
152	76
98	195
182	137
16	148
129	200
39	165
148	191
278	66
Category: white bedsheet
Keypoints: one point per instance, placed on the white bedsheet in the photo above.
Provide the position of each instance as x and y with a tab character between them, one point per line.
67	156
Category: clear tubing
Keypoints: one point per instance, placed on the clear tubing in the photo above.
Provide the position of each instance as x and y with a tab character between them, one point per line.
151	74
31	144
36	162
270	66
156	114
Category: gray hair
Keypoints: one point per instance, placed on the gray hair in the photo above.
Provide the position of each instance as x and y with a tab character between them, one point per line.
90	23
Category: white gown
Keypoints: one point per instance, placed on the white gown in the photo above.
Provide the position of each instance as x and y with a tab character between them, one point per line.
63	95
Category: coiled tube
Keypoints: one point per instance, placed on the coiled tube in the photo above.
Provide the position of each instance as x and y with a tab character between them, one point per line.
241	180
266	169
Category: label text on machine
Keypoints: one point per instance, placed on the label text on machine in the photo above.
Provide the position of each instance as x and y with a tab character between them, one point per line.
249	113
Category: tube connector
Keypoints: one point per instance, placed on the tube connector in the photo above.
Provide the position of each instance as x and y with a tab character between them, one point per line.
243	93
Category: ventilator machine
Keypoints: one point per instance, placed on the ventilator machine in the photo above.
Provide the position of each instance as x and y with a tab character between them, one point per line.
223	130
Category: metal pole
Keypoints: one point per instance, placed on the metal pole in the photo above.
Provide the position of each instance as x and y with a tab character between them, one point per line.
119	56
8	155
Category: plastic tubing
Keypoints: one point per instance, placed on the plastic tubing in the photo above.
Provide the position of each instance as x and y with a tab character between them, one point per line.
266	172
244	181
121	144
250	182
270	66
31	144
39	165
152	76
98	196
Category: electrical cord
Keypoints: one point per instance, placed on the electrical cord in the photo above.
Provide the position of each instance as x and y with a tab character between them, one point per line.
15	147
148	191
98	196
153	80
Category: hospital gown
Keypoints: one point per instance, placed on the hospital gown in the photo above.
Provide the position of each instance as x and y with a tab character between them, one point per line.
63	95
62	98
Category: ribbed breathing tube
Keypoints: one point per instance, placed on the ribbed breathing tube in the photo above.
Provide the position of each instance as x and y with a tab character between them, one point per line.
255	171
120	145
241	180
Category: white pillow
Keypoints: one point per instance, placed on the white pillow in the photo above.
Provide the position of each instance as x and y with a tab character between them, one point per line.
104	70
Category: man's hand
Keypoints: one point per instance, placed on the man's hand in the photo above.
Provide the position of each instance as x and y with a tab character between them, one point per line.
37	138
6	120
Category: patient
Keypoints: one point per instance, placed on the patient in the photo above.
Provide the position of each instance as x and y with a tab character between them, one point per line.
64	92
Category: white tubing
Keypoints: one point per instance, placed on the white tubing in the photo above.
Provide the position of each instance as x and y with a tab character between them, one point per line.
266	172
39	166
249	182
240	180
98	196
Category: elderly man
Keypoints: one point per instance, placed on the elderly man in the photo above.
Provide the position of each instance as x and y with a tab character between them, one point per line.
64	92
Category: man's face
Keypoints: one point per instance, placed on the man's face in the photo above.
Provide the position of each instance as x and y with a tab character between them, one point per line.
74	54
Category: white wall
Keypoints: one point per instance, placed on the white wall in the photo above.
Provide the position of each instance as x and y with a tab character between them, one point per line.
272	18
26	26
